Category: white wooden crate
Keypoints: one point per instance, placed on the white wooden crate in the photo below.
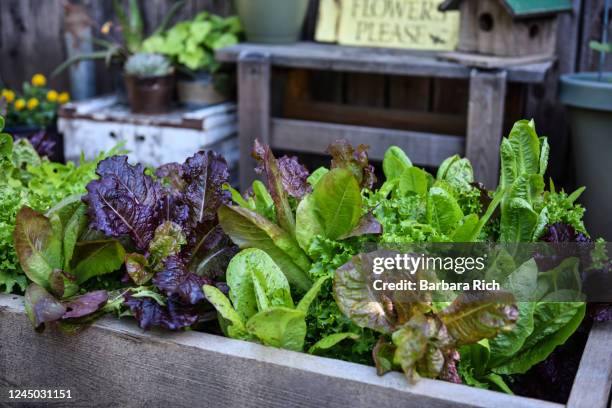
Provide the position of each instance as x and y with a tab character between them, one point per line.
96	125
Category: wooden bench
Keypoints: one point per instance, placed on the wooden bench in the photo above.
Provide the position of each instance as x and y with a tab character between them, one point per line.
485	111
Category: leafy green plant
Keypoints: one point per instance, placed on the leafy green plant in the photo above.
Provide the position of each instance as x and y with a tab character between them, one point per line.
332	209
542	325
28	180
56	257
260	307
192	44
128	38
170	221
413	206
147	65
417	338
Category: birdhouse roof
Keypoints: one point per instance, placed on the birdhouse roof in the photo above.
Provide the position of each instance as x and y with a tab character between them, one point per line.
522	8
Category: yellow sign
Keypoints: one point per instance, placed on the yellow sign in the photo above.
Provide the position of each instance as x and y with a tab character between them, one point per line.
415	24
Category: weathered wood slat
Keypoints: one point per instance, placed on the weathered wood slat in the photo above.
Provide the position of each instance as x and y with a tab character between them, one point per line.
253	109
420	121
114	363
592	384
485	124
423	148
371	60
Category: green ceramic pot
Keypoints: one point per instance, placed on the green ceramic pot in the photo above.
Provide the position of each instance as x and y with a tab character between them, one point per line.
272	21
589	103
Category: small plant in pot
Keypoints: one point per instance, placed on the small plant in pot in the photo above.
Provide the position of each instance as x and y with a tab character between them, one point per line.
191	46
149	81
588	96
122	36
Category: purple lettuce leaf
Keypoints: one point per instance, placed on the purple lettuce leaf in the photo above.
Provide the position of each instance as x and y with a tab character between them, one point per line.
124	201
368	225
294	177
562	232
172	316
601	312
449	371
268	166
559	236
171	175
204	175
42	142
208	249
212	253
85	304
41	307
176	280
344	155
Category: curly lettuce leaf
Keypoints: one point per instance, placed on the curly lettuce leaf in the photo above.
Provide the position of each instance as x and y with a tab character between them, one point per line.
345	156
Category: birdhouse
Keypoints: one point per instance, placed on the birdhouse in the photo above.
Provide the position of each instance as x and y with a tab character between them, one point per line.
508	28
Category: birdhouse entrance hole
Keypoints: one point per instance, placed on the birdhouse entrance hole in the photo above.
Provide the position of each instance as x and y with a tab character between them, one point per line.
486	22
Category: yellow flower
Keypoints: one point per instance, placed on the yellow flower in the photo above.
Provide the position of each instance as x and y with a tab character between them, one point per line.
63	98
20	104
32	103
52	95
39	80
106	27
8	95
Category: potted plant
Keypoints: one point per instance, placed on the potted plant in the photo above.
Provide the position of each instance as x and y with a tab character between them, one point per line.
588	96
191	46
31	113
120	41
272	21
149	81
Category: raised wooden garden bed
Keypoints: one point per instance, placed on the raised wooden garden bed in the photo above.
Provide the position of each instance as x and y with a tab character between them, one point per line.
114	363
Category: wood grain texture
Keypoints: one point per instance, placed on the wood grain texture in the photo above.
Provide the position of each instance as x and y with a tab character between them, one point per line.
489	28
365	90
31	41
485	124
114	363
423	148
371	60
411	93
386	118
542	103
592	20
592	384
253	109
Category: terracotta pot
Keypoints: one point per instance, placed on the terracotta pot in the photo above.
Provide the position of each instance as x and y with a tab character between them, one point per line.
150	95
